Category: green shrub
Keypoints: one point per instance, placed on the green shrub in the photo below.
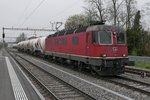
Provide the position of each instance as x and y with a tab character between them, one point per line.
142	65
134	52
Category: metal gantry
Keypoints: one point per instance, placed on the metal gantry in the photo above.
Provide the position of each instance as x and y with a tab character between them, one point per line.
22	29
57	25
26	29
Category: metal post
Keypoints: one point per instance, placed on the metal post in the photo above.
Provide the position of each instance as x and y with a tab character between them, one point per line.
3	37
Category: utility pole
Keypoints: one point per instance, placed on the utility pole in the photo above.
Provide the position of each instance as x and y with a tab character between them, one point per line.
52	25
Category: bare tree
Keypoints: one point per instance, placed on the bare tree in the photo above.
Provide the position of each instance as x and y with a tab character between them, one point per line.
117	12
114	8
21	37
121	18
99	7
91	13
130	12
145	13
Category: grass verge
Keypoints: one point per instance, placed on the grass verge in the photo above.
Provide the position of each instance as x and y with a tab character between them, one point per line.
142	65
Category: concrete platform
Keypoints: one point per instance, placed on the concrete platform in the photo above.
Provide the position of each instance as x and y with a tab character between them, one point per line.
13	83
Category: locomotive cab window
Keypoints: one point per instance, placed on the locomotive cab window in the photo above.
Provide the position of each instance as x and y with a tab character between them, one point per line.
120	38
102	37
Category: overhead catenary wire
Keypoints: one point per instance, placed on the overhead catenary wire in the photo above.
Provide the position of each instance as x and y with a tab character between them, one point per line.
66	9
32	12
62	11
24	11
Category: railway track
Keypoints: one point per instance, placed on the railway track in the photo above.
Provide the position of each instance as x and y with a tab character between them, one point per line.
52	87
137	71
138	86
135	85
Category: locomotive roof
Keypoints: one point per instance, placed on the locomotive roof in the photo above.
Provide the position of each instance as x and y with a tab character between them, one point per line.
67	32
85	29
103	27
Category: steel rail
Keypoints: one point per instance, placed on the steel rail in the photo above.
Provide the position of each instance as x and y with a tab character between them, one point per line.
133	87
81	92
137	71
53	96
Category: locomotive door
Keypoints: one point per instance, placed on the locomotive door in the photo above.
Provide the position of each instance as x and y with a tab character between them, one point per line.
88	40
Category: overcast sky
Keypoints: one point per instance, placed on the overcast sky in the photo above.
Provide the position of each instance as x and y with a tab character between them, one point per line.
38	13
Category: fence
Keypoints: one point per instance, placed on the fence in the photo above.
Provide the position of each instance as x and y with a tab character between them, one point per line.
140	58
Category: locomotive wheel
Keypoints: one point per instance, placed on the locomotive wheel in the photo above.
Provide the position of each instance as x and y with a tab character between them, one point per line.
93	72
80	66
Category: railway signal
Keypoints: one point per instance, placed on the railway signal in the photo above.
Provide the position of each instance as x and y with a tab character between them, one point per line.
3	35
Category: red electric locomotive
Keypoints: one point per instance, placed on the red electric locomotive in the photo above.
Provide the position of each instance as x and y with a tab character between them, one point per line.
100	48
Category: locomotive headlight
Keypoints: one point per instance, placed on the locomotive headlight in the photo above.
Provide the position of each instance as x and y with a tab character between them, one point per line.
104	55
124	55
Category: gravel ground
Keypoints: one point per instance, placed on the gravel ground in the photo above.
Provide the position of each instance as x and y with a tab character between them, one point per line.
90	89
136	77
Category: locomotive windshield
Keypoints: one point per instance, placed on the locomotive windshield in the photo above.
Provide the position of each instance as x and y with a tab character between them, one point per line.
102	37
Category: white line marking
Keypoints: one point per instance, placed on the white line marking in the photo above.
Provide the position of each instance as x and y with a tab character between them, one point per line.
106	89
36	90
19	92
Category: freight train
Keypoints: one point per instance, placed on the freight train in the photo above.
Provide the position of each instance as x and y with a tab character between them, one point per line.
100	48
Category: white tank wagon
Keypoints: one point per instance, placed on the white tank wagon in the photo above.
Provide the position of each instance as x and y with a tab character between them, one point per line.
39	45
14	46
25	45
20	46
29	46
33	46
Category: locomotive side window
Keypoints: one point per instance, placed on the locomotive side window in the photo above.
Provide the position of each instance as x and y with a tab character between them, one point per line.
75	40
120	38
64	41
104	37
